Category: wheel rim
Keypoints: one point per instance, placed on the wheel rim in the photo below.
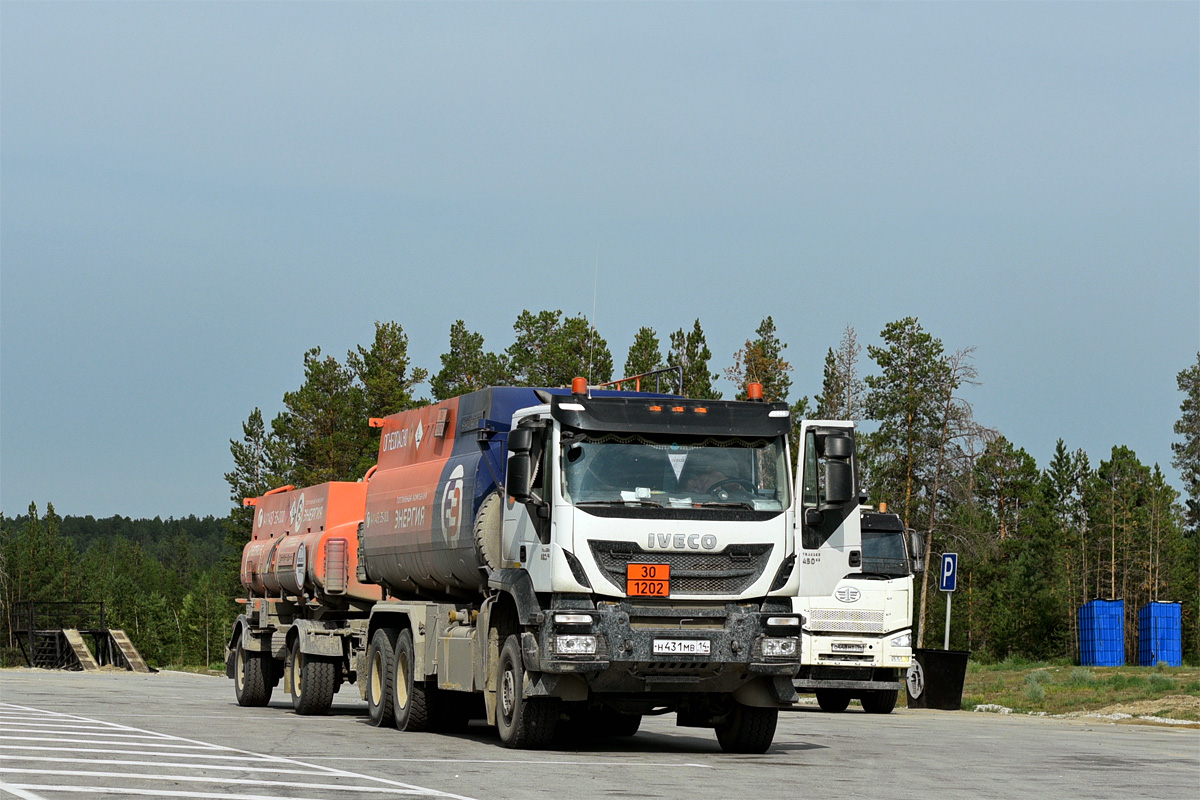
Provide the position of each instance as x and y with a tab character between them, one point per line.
508	693
376	677
297	672
241	669
402	672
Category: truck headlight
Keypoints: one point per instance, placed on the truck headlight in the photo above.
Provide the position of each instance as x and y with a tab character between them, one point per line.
575	645
779	647
903	640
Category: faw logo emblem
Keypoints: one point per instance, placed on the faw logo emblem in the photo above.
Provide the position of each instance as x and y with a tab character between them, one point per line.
847	594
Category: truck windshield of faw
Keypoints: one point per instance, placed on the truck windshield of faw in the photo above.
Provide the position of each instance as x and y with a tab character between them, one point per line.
710	472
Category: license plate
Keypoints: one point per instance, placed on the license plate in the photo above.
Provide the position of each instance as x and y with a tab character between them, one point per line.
648	580
681	647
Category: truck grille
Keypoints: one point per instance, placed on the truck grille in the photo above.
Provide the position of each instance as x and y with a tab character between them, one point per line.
848	621
728	572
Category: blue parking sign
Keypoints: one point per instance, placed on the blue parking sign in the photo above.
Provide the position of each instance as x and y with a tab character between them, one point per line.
949	577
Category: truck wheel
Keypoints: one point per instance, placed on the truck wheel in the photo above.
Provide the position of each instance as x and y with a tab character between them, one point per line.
487	529
381	667
833	700
524	723
748	729
408	694
314	681
250	684
879	702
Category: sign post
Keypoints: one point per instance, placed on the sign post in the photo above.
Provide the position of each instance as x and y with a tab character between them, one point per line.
947	583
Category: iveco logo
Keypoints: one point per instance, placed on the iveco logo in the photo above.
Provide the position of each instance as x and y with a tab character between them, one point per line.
680	541
847	594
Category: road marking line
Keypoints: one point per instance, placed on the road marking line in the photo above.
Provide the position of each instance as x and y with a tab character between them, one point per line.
220	755
124	762
146	792
108	741
24	795
83	773
333	771
91	732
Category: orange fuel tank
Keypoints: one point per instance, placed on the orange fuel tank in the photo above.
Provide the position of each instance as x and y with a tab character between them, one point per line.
305	541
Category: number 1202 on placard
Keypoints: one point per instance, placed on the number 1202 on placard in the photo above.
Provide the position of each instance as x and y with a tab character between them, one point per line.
648	580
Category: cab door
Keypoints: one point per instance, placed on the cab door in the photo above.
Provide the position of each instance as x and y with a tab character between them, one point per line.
827	515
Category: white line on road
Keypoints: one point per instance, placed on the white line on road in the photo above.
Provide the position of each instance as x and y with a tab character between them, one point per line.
537	762
195	744
21	793
172	765
83	773
143	792
190	746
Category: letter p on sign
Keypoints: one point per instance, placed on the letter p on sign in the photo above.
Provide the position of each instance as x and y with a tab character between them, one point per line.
949	577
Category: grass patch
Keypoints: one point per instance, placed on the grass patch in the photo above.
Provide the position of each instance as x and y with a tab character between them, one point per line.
1026	686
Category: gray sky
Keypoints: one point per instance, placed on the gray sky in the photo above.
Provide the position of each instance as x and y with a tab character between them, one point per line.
192	194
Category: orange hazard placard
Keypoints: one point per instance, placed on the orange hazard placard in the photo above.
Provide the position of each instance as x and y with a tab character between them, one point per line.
648	580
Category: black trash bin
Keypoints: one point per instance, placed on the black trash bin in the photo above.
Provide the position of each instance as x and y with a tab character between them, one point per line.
935	679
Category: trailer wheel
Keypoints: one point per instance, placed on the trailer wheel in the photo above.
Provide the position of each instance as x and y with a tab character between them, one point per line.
880	702
833	700
410	696
250	684
524	723
381	667
314	681
748	729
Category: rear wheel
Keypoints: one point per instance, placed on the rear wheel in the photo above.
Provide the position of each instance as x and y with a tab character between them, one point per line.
748	729
409	695
314	681
833	700
250	678
381	660
523	722
880	702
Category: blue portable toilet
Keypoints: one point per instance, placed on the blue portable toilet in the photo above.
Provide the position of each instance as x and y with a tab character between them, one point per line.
1102	633
1160	634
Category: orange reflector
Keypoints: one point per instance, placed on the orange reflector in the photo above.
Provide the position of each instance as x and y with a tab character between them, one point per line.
700	410
677	409
656	408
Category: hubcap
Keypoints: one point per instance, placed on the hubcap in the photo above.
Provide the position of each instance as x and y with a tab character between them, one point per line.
508	693
376	680
402	672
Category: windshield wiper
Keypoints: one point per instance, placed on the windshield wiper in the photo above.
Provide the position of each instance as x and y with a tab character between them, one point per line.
634	502
741	504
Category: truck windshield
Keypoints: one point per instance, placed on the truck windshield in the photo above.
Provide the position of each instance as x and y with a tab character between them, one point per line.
884	553
710	472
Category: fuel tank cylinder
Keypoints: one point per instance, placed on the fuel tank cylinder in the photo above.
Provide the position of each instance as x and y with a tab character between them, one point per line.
304	542
437	466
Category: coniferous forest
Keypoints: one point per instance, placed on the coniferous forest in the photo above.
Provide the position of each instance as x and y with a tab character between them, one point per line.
1035	541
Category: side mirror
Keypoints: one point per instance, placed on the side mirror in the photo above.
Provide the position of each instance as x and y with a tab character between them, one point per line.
839	446
839	482
916	543
520	440
520	474
813	517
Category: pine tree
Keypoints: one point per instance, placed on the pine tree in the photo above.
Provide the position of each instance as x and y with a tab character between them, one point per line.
551	350
842	390
761	361
690	351
321	427
1186	453
467	367
645	354
383	371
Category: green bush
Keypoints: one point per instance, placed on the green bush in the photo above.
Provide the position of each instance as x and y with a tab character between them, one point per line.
1034	690
1161	683
1038	677
1081	676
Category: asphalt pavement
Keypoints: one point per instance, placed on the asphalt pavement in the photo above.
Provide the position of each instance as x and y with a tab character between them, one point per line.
176	735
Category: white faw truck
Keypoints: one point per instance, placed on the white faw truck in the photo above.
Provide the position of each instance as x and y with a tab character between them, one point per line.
856	582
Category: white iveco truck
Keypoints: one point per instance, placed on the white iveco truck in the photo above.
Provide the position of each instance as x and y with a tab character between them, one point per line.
856	584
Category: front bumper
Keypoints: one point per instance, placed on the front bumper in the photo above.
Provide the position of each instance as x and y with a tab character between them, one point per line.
626	657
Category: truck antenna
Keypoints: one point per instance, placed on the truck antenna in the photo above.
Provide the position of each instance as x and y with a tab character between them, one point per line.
592	321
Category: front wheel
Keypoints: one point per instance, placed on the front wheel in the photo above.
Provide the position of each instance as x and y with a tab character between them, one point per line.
833	700
314	681
523	722
748	729
381	660
880	702
250	678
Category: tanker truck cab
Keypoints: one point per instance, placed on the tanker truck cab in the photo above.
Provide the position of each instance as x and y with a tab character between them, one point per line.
856	580
648	542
